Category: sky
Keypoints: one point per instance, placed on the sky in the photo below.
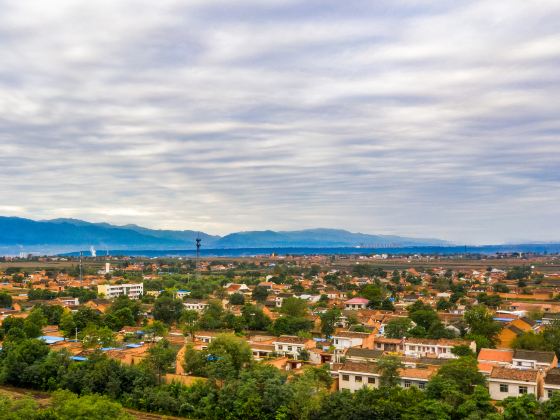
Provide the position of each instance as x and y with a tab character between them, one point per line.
429	119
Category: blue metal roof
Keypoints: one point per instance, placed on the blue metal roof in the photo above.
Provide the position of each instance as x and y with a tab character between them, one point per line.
49	339
134	345
79	358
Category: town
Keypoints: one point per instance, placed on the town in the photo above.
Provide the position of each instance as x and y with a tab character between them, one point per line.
200	338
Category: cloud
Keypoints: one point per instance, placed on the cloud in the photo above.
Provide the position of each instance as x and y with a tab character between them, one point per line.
380	117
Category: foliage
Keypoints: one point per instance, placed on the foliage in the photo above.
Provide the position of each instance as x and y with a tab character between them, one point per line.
290	325
328	320
294	307
167	309
389	367
398	327
481	324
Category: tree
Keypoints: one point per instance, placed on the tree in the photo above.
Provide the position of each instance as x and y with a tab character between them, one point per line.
227	356
477	405
530	341
156	329
424	318
294	307
67	324
389	367
455	379
213	316
481	323
237	299
328	320
5	300
167	309
66	406
254	318
374	294
94	337
523	407
398	327
34	323
260	293
161	357
291	325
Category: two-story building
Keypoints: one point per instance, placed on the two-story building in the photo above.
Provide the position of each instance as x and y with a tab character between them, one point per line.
551	383
510	382
354	376
110	291
292	346
198	305
440	348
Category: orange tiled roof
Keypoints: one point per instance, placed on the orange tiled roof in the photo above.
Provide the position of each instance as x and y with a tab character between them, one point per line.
494	355
514	374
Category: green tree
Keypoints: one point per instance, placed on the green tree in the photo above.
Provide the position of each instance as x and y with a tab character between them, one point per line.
260	293
95	337
254	318
34	323
481	323
161	358
328	321
237	299
389	367
167	309
5	300
68	406
398	327
294	307
227	356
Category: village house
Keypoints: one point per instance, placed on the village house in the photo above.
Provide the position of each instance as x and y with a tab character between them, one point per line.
508	382
287	345
110	291
356	303
440	348
551	383
392	345
531	359
354	376
198	305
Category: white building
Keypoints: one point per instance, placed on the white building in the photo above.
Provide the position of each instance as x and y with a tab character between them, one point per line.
441	348
507	382
551	383
354	376
292	346
198	305
110	291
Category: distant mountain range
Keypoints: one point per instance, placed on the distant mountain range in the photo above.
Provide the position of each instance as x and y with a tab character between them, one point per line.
60	235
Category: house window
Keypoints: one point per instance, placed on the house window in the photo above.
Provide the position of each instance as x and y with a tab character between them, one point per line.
518	363
412	348
407	384
549	392
371	380
345	377
358	378
289	348
336	341
522	389
504	388
421	385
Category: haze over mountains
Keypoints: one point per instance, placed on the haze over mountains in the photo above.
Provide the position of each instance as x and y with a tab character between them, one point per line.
71	234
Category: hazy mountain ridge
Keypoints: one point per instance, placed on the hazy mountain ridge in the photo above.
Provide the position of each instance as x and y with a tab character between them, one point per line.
20	232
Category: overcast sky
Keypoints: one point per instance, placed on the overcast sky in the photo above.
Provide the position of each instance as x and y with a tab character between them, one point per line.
438	119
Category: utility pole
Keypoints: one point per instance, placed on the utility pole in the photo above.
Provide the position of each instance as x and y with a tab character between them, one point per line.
81	272
198	241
